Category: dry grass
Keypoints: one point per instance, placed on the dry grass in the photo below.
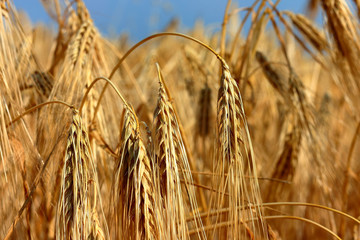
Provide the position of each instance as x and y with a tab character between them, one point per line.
276	159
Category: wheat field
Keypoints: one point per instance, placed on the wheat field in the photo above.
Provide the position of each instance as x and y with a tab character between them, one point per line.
243	133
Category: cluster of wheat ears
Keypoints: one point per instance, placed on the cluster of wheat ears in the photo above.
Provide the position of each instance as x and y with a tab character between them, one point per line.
101	140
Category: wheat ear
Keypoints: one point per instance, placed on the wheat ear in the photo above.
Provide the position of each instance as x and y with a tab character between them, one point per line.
77	200
235	157
173	167
134	184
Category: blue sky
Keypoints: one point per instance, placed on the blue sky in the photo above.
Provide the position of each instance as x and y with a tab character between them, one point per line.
140	18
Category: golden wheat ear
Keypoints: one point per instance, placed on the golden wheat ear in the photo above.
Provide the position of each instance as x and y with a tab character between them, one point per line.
134	194
77	198
173	165
309	30
68	85
96	232
235	159
205	112
286	164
